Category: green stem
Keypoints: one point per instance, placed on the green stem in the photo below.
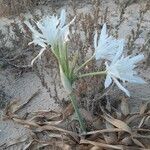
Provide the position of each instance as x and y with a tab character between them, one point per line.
84	63
80	119
92	74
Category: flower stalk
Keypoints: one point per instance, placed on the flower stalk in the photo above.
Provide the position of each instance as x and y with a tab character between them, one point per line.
75	106
85	63
92	74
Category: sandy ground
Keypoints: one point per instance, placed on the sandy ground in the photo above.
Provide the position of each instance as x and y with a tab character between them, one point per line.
25	86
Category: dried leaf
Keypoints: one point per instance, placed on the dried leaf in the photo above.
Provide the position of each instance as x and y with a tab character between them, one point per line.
109	139
124	106
49	114
126	141
65	146
15	105
53	122
147	120
48	127
26	122
141	122
112	136
103	131
143	130
68	111
11	107
96	148
141	136
119	147
131	118
144	107
27	146
38	144
56	143
98	144
118	123
138	143
42	120
31	98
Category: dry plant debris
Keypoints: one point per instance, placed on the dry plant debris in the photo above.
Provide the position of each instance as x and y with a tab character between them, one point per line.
14	7
48	129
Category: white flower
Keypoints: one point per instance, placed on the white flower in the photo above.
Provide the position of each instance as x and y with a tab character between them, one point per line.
122	69
106	46
52	31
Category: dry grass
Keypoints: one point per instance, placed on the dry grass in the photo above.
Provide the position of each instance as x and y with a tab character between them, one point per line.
14	7
115	128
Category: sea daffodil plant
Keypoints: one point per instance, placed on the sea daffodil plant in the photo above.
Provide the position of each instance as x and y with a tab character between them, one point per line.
52	34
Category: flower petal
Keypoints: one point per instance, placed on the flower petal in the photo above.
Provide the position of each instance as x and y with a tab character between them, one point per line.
107	46
123	68
38	56
95	40
121	87
136	59
136	79
103	34
38	41
108	81
34	31
119	50
62	18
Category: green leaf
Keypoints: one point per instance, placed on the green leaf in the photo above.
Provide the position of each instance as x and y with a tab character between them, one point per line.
73	63
65	81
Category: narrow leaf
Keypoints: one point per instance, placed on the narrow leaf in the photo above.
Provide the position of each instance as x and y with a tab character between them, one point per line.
144	107
118	123
124	106
65	81
138	143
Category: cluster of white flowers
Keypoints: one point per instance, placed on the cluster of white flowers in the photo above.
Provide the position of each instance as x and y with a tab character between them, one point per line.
53	31
119	67
106	46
